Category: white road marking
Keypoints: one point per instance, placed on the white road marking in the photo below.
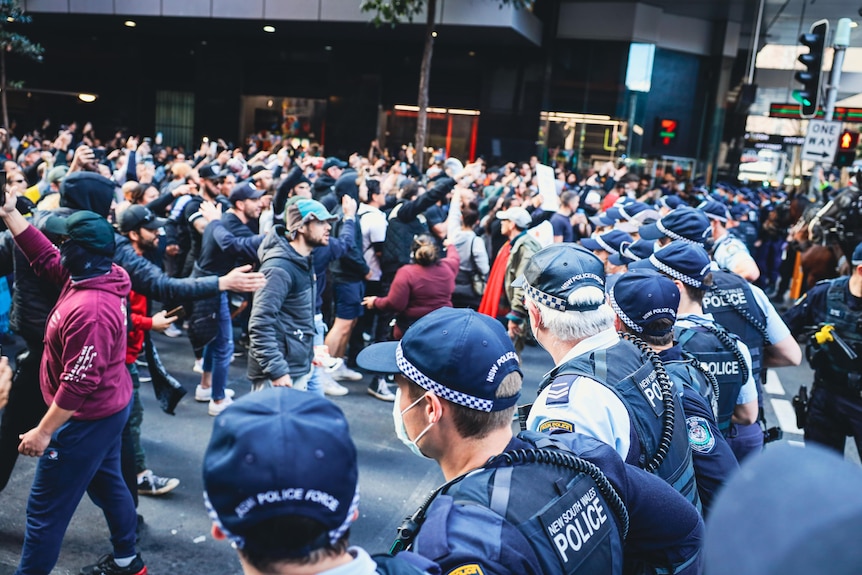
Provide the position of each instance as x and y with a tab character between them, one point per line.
796	443
773	384
785	414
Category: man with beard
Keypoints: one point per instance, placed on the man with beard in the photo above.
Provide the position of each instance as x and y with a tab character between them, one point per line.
281	327
142	227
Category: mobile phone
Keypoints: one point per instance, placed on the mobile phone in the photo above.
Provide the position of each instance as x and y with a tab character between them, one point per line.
2	179
178	312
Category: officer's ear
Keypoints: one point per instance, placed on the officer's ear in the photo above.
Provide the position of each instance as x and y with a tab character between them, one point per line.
533	312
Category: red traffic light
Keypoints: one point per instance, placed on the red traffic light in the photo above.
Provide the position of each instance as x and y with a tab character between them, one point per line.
848	140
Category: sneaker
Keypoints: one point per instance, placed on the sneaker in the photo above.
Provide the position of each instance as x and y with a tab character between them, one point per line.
107	566
323	359
206	394
151	484
145	378
199	366
216	408
333	388
380	389
344	373
173	331
141	362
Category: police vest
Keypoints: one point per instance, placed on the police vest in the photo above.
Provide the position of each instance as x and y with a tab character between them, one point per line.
629	373
549	510
732	304
692	376
723	360
832	365
399	237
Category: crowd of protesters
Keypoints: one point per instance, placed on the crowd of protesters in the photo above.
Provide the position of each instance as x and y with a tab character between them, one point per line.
300	261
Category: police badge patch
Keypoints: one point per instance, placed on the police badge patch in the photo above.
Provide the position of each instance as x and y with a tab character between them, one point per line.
700	436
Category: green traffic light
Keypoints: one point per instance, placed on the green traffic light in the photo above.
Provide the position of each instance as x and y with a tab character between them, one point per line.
797	95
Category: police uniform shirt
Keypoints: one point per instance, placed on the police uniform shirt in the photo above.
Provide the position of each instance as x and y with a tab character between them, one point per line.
729	252
586	406
748	392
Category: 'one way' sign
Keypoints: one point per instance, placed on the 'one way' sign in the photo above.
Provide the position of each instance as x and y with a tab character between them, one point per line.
821	141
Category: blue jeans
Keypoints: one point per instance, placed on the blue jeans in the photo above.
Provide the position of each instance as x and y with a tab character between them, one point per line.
315	384
83	456
219	352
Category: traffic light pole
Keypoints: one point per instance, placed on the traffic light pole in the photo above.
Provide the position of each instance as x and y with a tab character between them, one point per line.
839	46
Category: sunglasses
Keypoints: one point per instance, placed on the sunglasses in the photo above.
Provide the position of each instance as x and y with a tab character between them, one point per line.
17	181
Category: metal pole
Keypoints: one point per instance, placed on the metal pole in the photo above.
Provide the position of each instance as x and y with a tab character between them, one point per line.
842	40
755	43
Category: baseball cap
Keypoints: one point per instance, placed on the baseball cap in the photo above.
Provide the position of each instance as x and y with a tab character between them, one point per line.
209	172
554	273
608	241
88	229
641	297
632	252
57	173
684	224
519	216
714	210
857	256
688	263
303	210
333	162
244	191
796	510
671	202
281	452
455	353
136	217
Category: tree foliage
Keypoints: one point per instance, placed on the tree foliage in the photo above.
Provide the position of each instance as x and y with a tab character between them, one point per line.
13	42
394	12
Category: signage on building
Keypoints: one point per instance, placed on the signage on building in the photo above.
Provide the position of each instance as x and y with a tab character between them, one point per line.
761	141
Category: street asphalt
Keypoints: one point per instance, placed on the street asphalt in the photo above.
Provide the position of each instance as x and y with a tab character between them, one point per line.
176	537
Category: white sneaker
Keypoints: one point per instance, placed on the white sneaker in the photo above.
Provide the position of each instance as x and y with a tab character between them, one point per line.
344	373
333	388
216	408
380	389
206	393
173	331
199	366
323	359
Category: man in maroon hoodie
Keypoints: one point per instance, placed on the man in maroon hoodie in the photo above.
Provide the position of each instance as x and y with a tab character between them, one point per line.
87	388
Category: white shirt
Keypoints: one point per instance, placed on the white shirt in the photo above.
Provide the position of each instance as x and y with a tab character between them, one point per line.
592	409
373	224
729	251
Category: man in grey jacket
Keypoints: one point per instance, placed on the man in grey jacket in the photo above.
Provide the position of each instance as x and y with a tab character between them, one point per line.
281	327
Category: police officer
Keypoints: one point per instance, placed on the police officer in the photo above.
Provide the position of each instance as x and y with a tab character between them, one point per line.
723	355
646	304
728	251
835	407
602	386
281	483
504	509
742	309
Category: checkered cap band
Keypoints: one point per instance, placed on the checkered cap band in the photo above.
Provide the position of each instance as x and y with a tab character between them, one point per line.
622	315
412	372
627	252
545	299
673	273
605	245
673	235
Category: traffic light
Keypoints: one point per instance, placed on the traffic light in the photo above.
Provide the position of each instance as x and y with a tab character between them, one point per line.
846	153
809	96
666	131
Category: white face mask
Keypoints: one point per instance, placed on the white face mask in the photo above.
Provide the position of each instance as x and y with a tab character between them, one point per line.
401	430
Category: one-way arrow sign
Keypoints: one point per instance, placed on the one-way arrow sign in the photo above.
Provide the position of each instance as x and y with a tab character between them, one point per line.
821	141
